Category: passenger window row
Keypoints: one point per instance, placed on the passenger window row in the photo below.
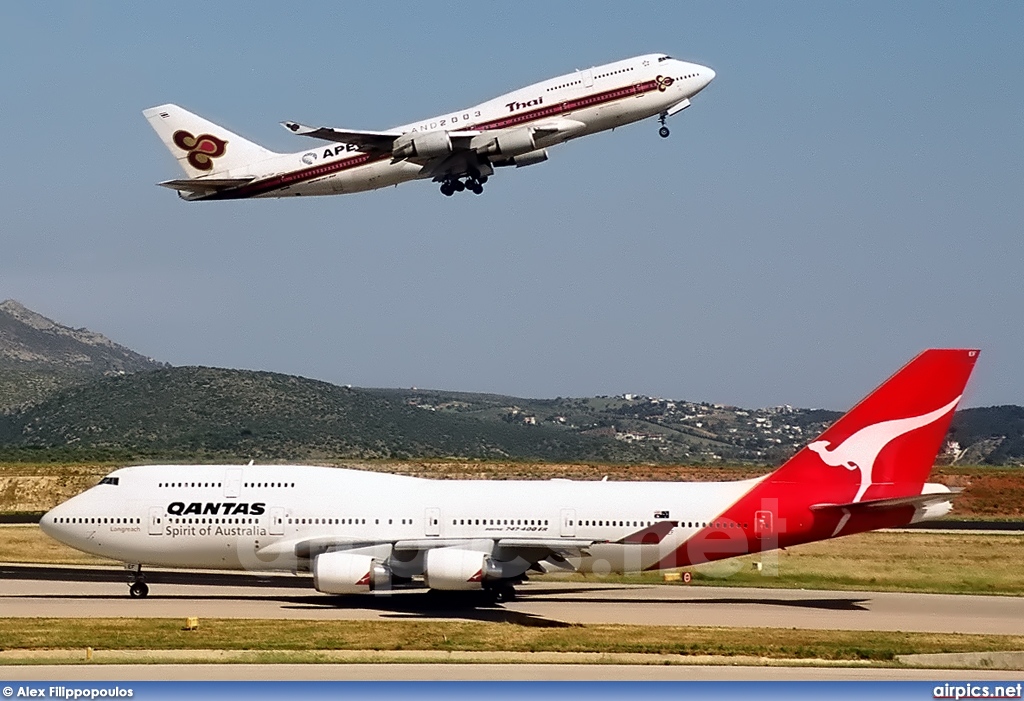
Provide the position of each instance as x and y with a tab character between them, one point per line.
621	70
498	522
564	85
97	520
247	485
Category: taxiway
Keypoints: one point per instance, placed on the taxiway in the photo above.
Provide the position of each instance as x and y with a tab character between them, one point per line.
70	592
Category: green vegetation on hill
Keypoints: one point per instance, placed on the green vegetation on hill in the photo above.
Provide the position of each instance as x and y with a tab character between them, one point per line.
213	413
73	395
200	413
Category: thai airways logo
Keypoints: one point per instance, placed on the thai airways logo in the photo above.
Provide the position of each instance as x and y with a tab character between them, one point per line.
664	82
201	149
859	451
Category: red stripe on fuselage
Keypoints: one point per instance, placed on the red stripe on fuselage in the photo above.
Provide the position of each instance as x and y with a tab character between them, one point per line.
305	174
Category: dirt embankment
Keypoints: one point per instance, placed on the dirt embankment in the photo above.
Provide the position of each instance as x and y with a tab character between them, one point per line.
991	493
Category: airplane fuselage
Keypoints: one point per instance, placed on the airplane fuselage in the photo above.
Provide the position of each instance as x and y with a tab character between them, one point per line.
259	517
280	517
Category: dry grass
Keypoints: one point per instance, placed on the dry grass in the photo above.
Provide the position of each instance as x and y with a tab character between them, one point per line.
236	634
26	543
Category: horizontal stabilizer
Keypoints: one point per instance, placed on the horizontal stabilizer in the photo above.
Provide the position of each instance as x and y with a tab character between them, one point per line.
915	500
206	184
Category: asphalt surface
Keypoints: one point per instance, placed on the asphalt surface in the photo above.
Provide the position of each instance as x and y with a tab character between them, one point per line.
48	591
485	672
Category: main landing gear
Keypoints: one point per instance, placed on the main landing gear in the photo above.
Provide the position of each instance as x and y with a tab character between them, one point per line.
663	132
473	183
137	587
500	592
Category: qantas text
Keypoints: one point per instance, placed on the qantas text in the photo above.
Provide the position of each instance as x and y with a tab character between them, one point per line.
179	508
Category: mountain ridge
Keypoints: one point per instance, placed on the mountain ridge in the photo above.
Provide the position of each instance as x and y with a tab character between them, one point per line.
76	392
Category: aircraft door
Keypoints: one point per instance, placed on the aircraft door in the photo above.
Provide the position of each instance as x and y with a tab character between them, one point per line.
432	521
276	520
156	520
588	78
763	526
568	528
233	483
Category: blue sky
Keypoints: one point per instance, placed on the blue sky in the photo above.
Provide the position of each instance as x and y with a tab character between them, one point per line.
849	191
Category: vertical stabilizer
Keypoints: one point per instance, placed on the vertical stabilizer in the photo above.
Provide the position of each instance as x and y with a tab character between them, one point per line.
201	147
886	445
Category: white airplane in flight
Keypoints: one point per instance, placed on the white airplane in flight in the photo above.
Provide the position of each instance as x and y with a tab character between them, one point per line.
364	531
458	149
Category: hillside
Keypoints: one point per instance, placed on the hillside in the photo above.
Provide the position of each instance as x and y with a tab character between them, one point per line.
208	413
76	394
38	356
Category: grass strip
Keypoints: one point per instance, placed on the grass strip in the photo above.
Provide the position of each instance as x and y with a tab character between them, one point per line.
277	635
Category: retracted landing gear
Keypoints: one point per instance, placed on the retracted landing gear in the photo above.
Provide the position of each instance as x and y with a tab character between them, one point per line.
137	587
663	132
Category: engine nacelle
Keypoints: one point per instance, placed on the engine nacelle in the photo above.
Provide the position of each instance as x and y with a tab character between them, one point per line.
452	569
349	573
428	144
506	144
525	159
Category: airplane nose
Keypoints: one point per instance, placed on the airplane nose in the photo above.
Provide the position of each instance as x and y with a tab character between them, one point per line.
52	523
46	523
706	75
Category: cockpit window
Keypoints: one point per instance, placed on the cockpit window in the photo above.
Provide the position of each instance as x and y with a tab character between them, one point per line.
663	58
110	480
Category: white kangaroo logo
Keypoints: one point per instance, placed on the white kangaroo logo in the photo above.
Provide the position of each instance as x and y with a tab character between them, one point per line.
859	451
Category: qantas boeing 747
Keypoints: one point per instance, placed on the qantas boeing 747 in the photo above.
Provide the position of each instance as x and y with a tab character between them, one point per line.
458	149
363	531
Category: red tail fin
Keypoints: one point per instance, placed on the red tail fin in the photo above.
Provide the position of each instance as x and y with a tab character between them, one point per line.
886	445
878	454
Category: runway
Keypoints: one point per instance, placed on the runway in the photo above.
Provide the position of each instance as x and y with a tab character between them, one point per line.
59	592
485	672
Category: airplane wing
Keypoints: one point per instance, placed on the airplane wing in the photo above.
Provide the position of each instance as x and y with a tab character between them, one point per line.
533	549
382	141
365	140
463	152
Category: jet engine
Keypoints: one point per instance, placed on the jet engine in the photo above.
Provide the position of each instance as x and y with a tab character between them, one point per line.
428	144
349	573
524	159
506	143
453	569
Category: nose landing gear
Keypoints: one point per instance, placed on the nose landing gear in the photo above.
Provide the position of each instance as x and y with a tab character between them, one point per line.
663	132
137	587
